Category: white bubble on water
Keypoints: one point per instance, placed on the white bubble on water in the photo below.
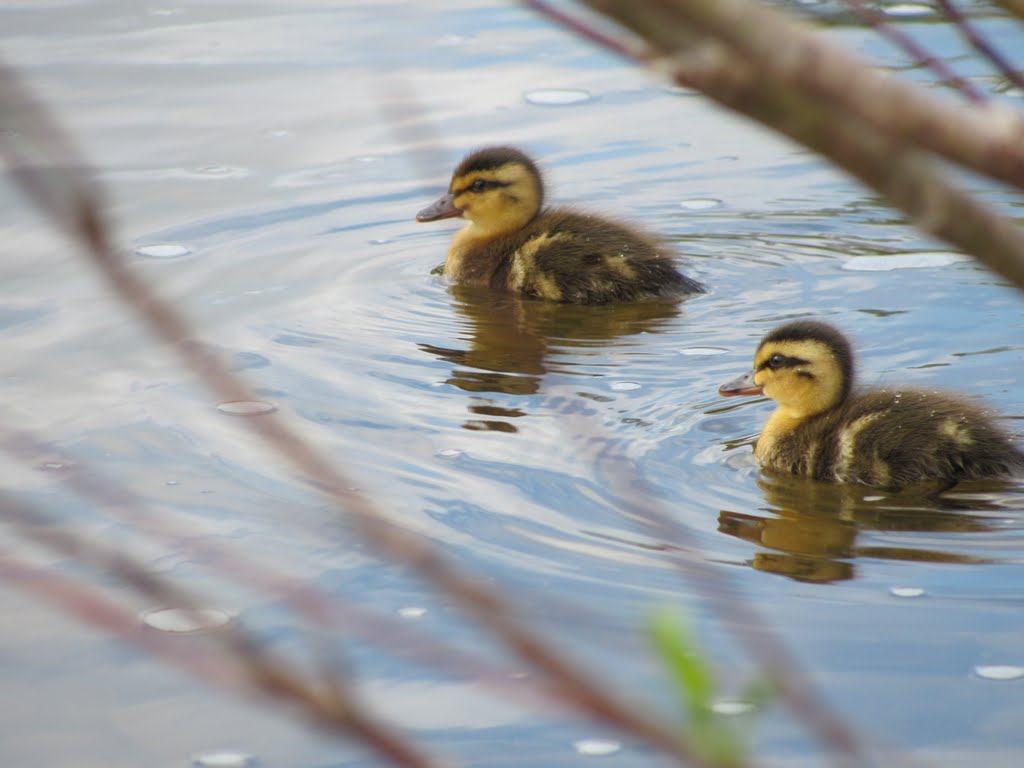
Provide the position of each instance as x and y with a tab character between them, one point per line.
246	407
557	97
223	758
999	671
908	10
701	204
732	707
596	747
906	591
185	620
703	351
912	260
163	251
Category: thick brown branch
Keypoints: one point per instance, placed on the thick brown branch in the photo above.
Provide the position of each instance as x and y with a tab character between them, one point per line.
988	140
761	80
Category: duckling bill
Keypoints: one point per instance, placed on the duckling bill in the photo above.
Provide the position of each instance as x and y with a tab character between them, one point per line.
823	429
512	242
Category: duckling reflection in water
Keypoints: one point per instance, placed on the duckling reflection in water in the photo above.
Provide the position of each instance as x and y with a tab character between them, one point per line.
505	343
810	529
883	438
512	242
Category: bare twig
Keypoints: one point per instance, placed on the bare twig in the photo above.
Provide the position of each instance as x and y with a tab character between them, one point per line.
327	613
738	615
905	175
980	43
338	712
790	52
94	609
1015	7
331	707
875	19
762	64
630	49
75	205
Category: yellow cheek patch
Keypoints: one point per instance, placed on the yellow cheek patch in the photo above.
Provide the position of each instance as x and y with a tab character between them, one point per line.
510	198
809	380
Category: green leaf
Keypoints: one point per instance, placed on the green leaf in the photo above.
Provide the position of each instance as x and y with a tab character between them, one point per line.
694	680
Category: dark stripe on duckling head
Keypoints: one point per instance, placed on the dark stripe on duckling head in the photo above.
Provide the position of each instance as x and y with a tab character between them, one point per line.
823	333
777	361
481	185
492	158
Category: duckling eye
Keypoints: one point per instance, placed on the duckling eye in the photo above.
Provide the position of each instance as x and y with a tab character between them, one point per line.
776	361
478	186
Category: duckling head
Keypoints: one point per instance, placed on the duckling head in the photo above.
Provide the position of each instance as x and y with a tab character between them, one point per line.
498	189
804	366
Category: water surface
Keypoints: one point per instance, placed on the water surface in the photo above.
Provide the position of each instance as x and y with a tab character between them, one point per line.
264	165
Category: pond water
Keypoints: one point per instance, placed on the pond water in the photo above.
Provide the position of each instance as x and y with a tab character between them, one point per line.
264	163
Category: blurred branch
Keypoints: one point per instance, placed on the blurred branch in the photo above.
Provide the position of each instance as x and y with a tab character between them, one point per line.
329	703
93	609
121	504
754	38
980	44
738	615
875	19
71	199
1015	7
778	71
747	57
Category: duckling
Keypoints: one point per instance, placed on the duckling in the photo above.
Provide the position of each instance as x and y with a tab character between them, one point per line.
512	242
882	438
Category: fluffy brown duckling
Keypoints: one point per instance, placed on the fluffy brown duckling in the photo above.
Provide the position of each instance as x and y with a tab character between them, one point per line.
512	242
883	438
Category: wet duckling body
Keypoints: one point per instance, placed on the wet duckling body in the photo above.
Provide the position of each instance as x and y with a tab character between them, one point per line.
512	242
883	438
